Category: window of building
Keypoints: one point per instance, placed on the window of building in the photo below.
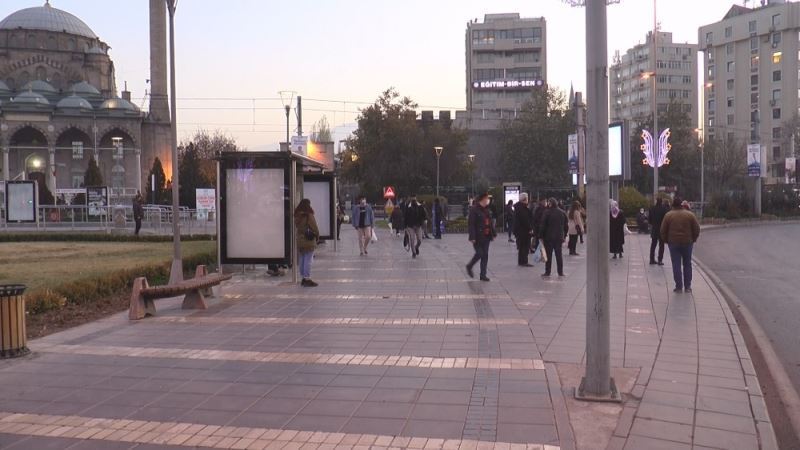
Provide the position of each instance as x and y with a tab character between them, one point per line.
753	118
754	63
711	72
776	152
776	20
730	102
709	38
730	119
729	136
524	57
482	37
486	57
776	39
729	49
776	95
730	85
711	105
710	122
753	80
731	66
776	75
777	57
754	98
753	43
77	181
77	150
776	133
710	55
752	26
753	135
776	113
487	74
728	32
119	148
524	73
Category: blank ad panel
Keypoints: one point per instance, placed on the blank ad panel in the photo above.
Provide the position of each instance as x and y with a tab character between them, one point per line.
319	192
21	202
254	213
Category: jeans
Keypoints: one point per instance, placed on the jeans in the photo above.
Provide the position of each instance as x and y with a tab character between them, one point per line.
573	244
305	264
138	221
523	249
655	240
681	254
481	254
550	247
414	239
364	236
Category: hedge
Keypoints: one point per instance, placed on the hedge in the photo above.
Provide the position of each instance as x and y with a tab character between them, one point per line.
94	237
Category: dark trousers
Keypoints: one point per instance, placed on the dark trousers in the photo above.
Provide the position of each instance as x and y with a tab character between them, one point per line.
481	254
655	240
138	222
437	230
338	228
573	244
523	249
681	254
554	247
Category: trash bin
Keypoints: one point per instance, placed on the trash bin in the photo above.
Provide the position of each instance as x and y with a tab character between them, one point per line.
13	340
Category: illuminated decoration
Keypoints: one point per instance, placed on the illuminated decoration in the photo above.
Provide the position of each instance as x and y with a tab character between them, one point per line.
506	84
650	158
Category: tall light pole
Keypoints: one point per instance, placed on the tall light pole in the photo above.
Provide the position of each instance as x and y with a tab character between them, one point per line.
176	271
702	172
597	383
287	97
655	99
438	151
472	174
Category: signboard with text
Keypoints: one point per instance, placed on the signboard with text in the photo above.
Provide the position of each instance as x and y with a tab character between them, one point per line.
97	200
300	145
754	160
572	146
507	84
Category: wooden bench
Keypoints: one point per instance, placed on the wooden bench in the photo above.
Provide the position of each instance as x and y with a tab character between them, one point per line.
194	291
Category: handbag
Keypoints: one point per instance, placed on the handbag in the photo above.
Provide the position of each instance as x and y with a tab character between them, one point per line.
374	237
309	233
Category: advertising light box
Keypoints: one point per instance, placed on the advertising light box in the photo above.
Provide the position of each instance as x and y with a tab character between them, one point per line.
319	189
21	201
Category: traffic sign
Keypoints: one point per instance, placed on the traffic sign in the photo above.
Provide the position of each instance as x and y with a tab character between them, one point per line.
388	192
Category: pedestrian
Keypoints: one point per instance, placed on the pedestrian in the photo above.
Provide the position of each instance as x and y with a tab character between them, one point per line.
642	224
339	219
553	231
363	218
438	218
523	230
396	219
425	222
414	220
138	211
575	225
508	219
537	222
656	216
307	234
617	229
481	234
680	231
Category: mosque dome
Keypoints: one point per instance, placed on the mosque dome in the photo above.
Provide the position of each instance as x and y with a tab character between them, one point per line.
30	98
119	104
74	102
47	18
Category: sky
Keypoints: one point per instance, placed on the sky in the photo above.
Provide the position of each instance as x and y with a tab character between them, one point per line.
234	56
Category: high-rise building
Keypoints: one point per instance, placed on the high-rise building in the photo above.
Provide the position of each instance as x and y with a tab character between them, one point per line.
751	78
506	58
676	79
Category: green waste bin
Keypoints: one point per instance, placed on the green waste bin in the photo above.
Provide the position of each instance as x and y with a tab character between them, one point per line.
13	341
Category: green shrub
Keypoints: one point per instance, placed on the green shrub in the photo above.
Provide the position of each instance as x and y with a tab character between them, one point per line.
42	301
93	237
631	201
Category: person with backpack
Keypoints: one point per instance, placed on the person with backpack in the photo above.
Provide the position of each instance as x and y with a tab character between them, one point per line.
481	234
307	234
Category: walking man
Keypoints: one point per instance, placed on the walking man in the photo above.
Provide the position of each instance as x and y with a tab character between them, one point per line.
481	234
680	231
553	232
363	218
656	217
138	211
523	230
508	219
414	219
438	218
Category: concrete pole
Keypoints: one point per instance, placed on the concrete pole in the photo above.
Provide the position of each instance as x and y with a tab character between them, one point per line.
656	136
597	384
6	168
176	271
581	123
51	169
138	170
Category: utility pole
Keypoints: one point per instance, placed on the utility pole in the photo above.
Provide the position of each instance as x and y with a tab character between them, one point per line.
438	151
299	115
656	136
176	271
580	108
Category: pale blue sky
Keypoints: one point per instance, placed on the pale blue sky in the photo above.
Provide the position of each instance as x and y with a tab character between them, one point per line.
342	50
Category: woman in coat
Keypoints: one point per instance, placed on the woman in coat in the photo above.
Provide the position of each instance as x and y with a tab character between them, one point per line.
575	225
617	228
307	234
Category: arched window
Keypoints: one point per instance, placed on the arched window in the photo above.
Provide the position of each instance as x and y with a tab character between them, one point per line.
72	45
24	77
41	73
118	176
52	43
11	83
57	81
31	42
14	41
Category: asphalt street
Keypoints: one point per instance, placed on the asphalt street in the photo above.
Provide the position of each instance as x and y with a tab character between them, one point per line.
761	265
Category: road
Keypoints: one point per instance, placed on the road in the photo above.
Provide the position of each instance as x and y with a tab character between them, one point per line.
761	265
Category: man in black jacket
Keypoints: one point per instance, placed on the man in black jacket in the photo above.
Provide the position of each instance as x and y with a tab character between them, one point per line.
553	232
481	234
523	230
656	217
415	217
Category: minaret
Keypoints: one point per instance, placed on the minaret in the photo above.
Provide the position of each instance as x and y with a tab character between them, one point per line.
159	101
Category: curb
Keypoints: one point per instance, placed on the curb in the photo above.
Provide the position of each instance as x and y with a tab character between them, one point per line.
754	223
786	391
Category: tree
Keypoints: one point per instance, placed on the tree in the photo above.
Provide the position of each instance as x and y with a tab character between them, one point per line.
321	131
391	147
207	146
191	176
162	194
534	144
92	176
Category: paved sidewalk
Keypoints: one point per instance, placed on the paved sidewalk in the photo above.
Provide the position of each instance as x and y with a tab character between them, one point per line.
395	352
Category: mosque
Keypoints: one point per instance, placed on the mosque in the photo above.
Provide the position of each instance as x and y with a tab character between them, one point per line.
59	103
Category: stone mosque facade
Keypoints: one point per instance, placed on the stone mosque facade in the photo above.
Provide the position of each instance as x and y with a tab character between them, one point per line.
59	104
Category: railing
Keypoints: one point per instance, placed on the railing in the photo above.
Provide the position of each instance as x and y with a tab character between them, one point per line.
114	218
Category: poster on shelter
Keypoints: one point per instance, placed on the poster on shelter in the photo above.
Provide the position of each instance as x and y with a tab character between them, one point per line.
21	201
319	192
97	200
254	213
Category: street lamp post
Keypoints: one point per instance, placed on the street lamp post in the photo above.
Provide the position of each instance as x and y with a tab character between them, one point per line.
287	97
176	271
702	172
655	99
472	175
438	151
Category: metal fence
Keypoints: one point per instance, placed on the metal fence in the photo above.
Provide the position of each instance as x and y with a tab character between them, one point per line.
115	218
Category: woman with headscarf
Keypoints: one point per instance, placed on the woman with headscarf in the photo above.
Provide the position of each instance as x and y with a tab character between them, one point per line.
617	228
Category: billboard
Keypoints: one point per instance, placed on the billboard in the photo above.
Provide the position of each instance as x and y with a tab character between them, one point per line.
616	150
21	201
319	189
97	200
511	192
572	153
754	160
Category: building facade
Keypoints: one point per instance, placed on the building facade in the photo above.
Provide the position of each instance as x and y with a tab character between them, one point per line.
751	79
631	89
59	105
506	57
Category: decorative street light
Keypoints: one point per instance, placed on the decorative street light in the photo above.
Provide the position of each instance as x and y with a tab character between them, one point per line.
438	151
287	97
176	270
702	171
472	174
